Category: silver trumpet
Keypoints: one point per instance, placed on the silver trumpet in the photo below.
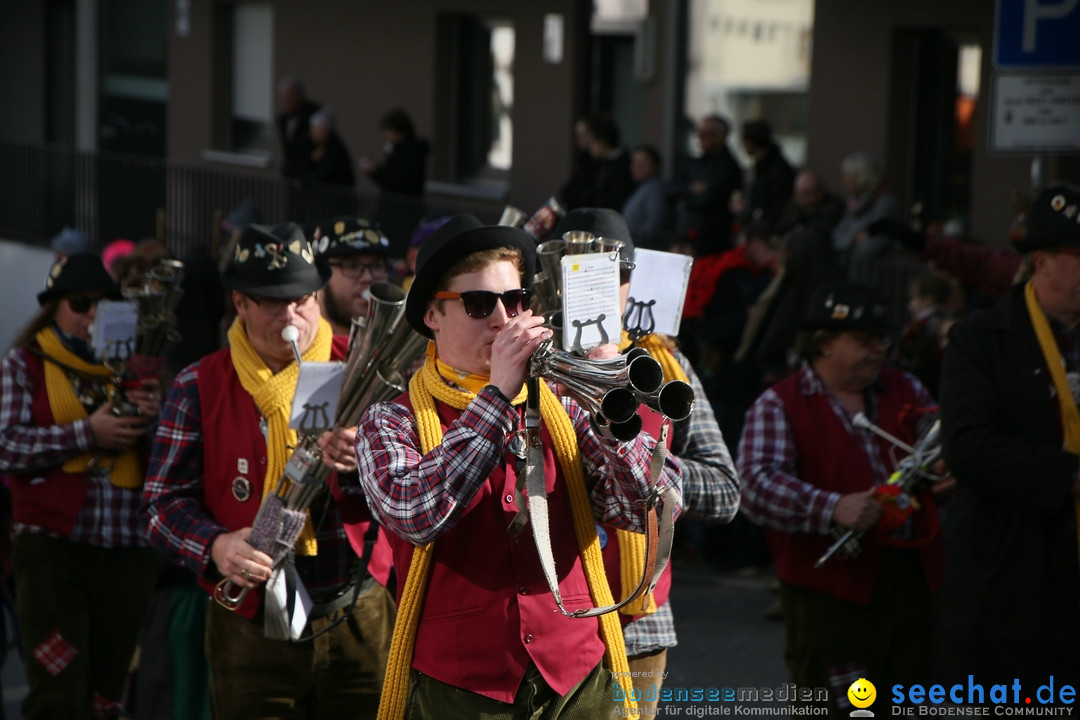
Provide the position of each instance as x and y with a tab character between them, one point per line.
610	389
382	348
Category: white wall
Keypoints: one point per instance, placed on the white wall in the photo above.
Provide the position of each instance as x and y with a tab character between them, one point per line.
23	269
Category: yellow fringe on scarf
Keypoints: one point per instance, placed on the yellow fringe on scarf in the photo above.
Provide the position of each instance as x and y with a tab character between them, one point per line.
66	408
273	394
631	544
425	387
1070	415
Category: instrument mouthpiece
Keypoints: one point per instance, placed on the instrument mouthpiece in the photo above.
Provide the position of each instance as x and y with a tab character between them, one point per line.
290	334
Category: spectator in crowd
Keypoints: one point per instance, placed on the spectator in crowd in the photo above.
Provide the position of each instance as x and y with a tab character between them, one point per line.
773	178
439	475
331	163
577	191
705	186
404	168
811	204
221	449
648	209
84	574
809	472
69	241
868	201
710	486
930	296
356	250
294	132
612	181
1011	434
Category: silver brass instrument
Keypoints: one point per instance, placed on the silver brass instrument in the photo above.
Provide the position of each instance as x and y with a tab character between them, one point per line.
381	351
155	332
909	473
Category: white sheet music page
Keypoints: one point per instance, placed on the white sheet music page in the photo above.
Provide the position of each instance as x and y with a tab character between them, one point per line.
316	398
658	289
590	300
112	336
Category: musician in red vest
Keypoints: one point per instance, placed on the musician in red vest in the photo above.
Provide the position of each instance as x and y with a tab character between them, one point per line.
710	485
84	574
221	447
478	628
807	469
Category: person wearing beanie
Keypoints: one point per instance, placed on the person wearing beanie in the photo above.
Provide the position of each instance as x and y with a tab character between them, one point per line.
69	241
1010	384
84	573
478	628
220	453
811	470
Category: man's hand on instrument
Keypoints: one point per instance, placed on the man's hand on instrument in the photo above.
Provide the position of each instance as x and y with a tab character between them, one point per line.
946	481
338	449
859	511
239	561
147	397
511	350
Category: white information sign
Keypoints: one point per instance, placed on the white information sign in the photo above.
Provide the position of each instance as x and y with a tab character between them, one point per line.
1036	113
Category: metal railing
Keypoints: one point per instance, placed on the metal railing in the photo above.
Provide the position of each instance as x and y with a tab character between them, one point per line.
112	196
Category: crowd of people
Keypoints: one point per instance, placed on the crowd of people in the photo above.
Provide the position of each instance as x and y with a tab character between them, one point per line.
419	589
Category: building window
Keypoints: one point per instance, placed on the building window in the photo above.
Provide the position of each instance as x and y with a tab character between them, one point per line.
252	101
479	70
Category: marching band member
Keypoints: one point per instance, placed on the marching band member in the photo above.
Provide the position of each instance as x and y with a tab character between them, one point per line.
85	575
710	486
221	446
806	468
355	250
478	629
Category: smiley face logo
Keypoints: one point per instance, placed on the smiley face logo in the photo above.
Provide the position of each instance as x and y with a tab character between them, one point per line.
862	693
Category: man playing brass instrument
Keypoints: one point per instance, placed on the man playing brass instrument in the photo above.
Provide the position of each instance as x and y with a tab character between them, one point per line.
221	447
808	466
478	629
356	252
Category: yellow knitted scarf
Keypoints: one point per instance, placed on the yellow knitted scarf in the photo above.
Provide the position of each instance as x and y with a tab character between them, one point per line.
425	388
1070	416
273	394
631	544
125	471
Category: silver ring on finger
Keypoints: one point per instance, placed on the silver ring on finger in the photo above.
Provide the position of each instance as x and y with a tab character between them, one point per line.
244	573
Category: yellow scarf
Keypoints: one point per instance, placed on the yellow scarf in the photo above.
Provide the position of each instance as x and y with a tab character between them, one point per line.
631	544
273	394
425	388
1070	416
66	408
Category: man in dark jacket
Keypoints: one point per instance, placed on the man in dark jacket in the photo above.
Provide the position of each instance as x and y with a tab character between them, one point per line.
705	185
293	129
774	179
1011	430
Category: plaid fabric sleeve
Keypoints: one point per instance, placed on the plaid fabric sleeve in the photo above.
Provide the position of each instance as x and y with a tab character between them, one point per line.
422	496
24	446
172	516
772	495
710	483
618	472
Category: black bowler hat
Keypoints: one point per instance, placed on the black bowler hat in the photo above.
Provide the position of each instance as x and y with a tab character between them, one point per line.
1053	220
601	222
848	306
77	273
461	236
275	263
348	235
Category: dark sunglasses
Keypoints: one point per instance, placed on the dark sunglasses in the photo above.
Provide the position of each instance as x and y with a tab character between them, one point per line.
481	303
81	304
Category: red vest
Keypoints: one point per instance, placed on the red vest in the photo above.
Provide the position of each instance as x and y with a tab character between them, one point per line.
650	423
488	610
230	429
832	459
48	498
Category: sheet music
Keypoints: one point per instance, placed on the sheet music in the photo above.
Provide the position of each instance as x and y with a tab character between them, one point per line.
660	278
315	401
113	333
590	294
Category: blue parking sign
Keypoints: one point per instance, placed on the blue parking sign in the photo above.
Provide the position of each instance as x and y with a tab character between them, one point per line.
1037	34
